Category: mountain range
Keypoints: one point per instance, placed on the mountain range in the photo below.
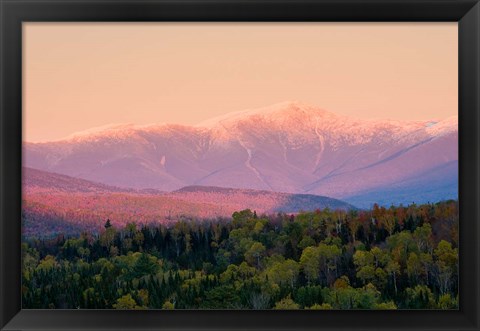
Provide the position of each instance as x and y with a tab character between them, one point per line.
54	203
289	147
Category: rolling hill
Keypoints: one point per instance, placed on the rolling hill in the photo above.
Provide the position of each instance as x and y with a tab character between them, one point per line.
54	203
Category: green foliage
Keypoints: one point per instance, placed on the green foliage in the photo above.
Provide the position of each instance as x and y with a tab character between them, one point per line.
145	265
284	273
126	302
323	306
447	302
395	258
255	253
168	305
286	303
221	297
420	297
386	306
47	264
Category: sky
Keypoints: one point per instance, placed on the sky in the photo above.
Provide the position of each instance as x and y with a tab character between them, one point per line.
82	75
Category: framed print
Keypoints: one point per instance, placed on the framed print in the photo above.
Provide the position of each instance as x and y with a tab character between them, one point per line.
287	165
283	206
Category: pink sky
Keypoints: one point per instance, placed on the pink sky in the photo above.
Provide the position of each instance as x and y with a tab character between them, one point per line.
82	75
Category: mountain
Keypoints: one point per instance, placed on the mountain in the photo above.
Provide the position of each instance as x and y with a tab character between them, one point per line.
38	181
261	201
288	147
54	203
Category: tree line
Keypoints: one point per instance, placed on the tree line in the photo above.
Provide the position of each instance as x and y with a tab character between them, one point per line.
402	257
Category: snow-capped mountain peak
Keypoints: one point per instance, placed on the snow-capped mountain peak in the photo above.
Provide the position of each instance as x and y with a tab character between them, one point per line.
444	126
99	131
287	147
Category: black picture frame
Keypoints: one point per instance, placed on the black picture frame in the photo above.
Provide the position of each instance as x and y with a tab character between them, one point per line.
14	12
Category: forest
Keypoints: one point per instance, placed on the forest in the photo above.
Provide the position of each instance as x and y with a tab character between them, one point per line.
403	257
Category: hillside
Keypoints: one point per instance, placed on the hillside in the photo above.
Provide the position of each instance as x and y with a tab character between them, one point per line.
53	202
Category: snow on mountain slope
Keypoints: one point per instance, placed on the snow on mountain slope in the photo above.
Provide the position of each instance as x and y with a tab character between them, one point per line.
287	147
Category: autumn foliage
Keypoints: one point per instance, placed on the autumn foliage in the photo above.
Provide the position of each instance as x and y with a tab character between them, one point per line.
403	257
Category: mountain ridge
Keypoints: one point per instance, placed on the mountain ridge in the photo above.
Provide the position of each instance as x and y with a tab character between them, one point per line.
287	147
54	203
